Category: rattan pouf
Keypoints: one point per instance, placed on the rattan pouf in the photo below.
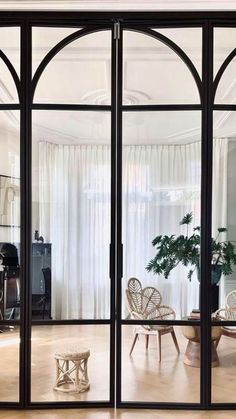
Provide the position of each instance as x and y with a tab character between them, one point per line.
71	370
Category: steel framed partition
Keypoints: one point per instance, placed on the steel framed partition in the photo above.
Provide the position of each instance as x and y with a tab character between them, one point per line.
116	23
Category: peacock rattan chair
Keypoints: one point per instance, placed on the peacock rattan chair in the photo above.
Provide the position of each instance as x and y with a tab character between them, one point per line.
145	304
227	313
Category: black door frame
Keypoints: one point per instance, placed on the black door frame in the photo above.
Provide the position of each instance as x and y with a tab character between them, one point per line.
114	21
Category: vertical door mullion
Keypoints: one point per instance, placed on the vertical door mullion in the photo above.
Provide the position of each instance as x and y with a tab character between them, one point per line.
113	223
119	78
206	215
25	167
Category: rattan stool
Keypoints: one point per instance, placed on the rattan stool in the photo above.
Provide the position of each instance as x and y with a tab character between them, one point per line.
71	370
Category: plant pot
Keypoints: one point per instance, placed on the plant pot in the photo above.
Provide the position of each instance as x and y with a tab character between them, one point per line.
216	271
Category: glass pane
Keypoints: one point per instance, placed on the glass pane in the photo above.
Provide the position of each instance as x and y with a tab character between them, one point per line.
9	363
79	73
225	92
224	43
90	340
176	378
8	92
10	45
189	40
44	39
9	215
9	253
148	67
71	215
161	185
224	371
223	275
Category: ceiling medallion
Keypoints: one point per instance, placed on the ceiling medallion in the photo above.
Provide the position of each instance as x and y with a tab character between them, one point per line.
102	97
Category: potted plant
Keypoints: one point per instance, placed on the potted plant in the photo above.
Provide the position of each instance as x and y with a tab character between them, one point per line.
185	249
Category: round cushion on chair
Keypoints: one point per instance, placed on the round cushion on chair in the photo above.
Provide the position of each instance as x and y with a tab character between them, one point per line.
73	353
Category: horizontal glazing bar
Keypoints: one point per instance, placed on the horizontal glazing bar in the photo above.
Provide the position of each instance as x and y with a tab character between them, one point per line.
224	107
181	107
152	405
68	322
61	405
9	323
9	106
70	107
163	322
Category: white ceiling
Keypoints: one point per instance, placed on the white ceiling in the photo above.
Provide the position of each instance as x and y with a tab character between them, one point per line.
117	5
81	72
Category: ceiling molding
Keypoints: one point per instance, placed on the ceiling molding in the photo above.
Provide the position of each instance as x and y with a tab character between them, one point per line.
42	133
117	5
221	119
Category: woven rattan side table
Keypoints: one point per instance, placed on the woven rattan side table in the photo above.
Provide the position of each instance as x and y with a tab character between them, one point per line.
71	370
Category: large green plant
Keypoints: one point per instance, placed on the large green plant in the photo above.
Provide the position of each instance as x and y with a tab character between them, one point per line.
185	249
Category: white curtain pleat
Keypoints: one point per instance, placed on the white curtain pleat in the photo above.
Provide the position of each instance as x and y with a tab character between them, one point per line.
161	183
219	197
75	218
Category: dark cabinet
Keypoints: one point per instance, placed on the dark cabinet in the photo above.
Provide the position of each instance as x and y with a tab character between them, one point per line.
41	261
41	258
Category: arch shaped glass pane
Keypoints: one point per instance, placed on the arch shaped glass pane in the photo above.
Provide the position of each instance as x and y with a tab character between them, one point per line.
224	43
44	39
154	74
189	40
226	90
80	73
10	45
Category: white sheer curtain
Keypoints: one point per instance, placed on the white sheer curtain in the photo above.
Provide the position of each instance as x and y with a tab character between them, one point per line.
219	196
74	216
161	183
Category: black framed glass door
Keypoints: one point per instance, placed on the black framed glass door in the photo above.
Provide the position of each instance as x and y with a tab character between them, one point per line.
111	189
71	284
161	144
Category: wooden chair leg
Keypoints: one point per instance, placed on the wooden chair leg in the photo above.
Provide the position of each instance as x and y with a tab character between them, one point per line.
217	342
147	341
159	344
175	340
133	344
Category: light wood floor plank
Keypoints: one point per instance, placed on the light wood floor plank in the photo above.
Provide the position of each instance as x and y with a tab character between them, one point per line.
118	414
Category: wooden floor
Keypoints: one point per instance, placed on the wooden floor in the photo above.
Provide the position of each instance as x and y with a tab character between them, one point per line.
115	414
143	377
